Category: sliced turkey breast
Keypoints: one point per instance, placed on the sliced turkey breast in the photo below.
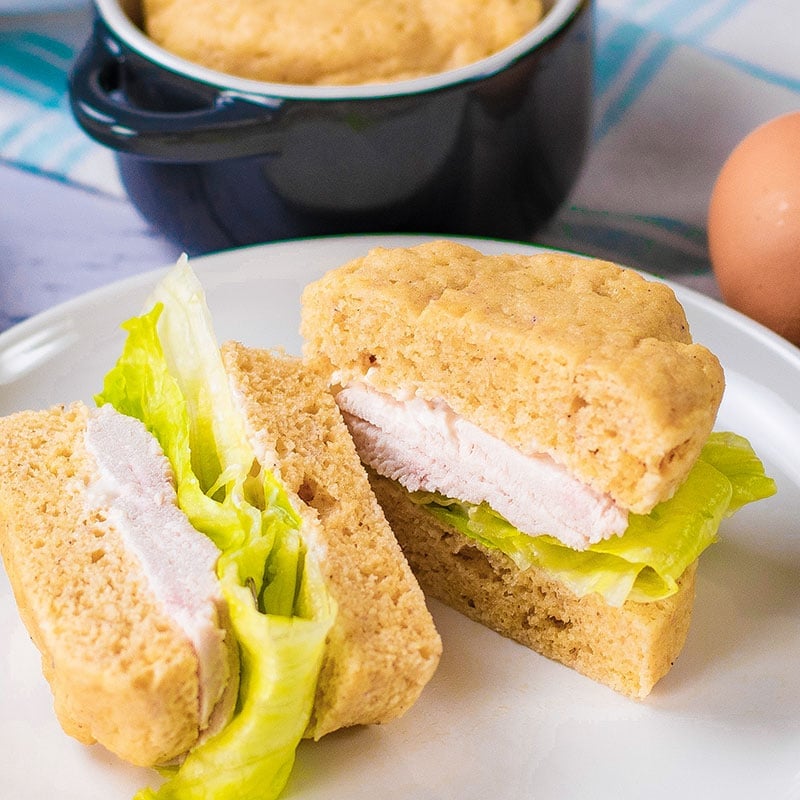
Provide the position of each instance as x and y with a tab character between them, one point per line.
134	488
426	446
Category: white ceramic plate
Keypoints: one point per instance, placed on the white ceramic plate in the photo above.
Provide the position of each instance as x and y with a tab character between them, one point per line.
497	721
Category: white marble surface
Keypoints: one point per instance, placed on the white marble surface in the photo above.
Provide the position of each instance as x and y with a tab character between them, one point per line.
58	241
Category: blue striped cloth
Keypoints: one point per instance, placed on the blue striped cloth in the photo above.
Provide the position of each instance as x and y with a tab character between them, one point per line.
37	131
678	84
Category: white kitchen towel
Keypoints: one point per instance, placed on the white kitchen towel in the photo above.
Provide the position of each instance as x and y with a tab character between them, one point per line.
678	84
37	130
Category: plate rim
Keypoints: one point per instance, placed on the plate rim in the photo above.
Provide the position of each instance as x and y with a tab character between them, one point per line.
66	308
140	282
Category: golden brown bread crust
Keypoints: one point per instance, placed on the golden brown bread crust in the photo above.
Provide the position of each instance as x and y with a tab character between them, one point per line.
383	647
628	648
121	671
574	357
336	41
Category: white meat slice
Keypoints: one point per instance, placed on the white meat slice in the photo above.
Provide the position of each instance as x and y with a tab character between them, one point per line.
134	487
426	446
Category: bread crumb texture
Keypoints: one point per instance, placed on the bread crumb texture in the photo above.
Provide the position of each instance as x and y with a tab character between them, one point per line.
578	358
337	41
383	647
121	672
627	649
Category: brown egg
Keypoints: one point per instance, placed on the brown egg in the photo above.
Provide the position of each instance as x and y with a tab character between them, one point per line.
754	226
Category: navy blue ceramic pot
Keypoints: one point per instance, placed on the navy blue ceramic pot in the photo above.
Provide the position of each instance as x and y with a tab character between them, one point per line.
217	161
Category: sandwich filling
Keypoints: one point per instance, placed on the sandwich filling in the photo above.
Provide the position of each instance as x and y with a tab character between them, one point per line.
170	375
134	488
428	450
425	446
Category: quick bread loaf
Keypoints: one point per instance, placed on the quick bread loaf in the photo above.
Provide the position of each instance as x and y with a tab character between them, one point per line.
202	563
585	361
336	41
538	431
627	648
121	669
382	648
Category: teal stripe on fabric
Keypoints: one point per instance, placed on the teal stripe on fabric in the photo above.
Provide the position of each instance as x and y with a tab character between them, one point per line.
27	75
672	14
634	248
614	52
759	72
717	19
641	79
18	127
639	4
53	135
28	88
625	39
670	17
73	155
48	45
692	234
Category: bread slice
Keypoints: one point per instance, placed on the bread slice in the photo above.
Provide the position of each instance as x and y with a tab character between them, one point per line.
551	353
383	647
628	648
121	671
457	372
336	41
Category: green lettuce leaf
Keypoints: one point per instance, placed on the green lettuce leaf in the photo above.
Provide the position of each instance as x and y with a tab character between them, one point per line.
170	375
644	563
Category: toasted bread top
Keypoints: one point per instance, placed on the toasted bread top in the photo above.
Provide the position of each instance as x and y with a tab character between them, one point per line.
337	41
578	358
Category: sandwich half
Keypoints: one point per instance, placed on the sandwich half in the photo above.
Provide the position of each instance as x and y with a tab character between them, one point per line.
539	434
202	563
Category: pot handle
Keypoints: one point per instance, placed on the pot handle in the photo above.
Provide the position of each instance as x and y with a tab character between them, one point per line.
214	123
